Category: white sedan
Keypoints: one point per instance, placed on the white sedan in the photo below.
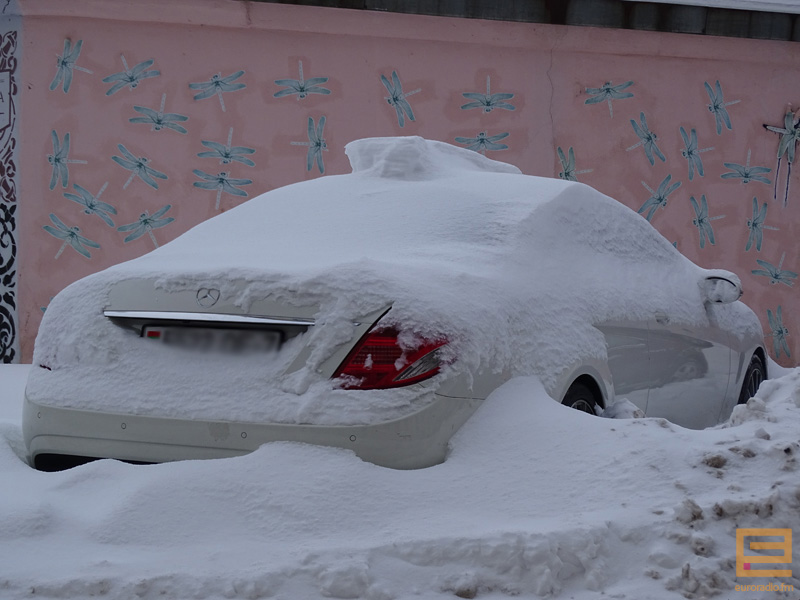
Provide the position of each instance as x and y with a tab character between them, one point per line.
374	311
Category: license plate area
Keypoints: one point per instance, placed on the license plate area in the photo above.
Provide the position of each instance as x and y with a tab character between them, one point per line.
215	339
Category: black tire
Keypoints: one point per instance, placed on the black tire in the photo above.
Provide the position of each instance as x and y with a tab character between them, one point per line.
753	377
580	397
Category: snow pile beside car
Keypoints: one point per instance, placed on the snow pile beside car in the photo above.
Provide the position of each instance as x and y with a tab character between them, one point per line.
445	236
535	500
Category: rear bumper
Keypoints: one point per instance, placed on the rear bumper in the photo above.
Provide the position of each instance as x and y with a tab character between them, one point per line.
412	442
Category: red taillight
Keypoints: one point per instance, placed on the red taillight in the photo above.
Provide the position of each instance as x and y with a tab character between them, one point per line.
378	362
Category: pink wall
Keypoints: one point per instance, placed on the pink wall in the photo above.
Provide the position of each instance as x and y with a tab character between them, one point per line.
547	68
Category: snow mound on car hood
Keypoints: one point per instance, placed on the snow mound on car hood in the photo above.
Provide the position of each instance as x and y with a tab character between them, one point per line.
414	158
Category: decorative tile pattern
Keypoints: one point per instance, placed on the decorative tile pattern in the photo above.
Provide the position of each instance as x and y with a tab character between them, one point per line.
8	197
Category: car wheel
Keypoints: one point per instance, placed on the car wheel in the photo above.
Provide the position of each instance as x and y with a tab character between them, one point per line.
581	398
752	379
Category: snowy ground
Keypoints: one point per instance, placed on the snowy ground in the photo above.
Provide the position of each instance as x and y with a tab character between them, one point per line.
535	500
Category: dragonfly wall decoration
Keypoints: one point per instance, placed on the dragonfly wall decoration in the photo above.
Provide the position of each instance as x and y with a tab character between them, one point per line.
718	106
138	166
775	274
92	204
647	139
159	120
146	224
691	153
130	78
702	221
227	153
779	332
745	172
59	160
790	135
397	98
316	144
482	142
756	226
488	101
301	87
568	171
65	65
608	92
222	182
658	198
70	236
218	85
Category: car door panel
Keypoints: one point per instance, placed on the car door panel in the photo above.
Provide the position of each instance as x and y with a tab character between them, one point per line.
628	360
690	368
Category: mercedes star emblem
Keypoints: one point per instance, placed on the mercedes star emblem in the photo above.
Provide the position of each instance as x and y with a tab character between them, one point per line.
207	297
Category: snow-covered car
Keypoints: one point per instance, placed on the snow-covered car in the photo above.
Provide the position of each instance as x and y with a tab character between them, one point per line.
374	311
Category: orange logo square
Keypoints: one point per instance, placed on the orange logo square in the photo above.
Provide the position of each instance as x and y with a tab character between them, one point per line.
745	562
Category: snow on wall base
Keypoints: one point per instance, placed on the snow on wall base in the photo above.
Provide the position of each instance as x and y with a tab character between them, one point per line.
9	45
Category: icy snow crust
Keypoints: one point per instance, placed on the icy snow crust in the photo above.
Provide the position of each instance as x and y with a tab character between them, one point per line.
535	501
512	269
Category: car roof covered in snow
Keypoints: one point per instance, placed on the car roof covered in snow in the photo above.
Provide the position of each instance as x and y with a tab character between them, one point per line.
407	200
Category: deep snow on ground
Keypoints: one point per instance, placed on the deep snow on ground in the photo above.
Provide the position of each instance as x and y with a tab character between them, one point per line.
535	500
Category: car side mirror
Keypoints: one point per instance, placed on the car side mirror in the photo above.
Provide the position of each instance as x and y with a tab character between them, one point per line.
721	290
